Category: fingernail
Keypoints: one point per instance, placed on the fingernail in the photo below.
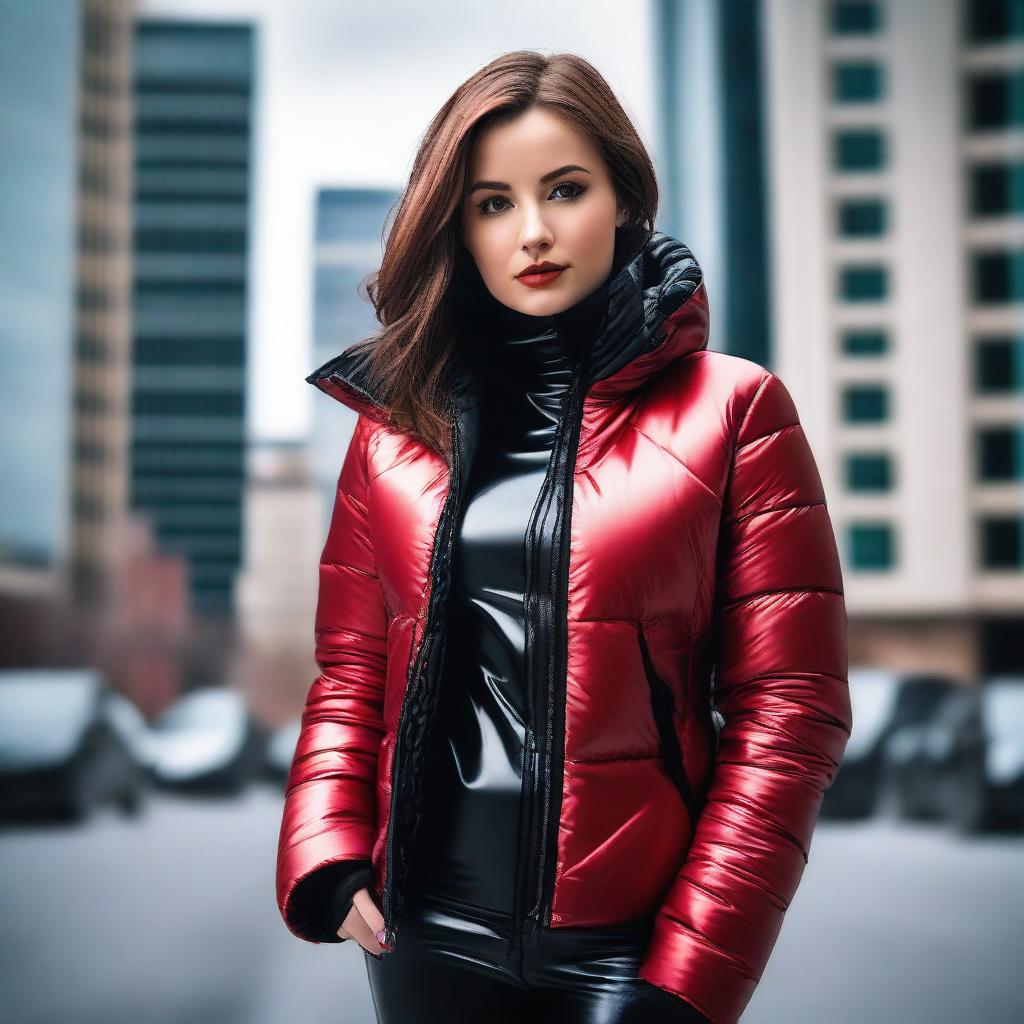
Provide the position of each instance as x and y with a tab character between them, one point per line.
380	936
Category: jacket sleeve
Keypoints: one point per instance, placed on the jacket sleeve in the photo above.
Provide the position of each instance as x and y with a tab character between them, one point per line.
330	811
780	682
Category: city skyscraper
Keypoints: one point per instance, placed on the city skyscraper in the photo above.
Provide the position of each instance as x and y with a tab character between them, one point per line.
193	151
711	159
101	349
896	162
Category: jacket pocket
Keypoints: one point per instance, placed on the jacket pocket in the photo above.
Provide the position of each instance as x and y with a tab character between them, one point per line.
663	707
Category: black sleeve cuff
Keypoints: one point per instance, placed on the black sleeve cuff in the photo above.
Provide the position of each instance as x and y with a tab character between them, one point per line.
320	897
359	875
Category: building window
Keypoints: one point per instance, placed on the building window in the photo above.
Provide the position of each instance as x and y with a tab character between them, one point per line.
869	471
871	546
996	100
868	283
191	240
189	350
998	276
91	452
94	348
857	81
187	403
856	17
865	403
862	218
999	365
1001	454
997	189
990	21
1001	542
859	149
184	287
95	298
860	342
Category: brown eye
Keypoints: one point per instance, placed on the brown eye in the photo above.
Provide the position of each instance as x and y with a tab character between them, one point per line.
570	184
483	207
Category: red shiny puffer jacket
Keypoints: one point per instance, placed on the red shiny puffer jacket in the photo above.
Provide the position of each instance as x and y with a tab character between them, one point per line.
685	646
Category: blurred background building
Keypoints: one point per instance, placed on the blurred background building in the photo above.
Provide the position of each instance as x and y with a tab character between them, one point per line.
349	225
710	147
896	172
100	355
38	190
276	589
192	143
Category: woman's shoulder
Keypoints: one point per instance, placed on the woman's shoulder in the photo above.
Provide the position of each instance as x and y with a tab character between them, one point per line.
719	379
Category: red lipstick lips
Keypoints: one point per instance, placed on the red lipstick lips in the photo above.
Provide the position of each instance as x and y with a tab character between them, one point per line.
537	275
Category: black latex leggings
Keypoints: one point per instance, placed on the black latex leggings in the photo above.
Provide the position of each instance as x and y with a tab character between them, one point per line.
450	964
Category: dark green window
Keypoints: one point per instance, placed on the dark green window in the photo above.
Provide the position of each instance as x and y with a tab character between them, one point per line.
857	81
1000	454
865	342
865	403
189	350
871	546
182	287
187	403
869	471
862	218
995	100
192	240
92	452
859	149
192	126
999	365
863	284
990	21
1001	542
997	189
998	276
855	17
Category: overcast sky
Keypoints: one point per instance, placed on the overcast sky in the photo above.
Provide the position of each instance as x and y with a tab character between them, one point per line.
344	91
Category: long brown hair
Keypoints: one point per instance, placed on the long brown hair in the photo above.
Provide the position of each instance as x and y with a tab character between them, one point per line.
409	359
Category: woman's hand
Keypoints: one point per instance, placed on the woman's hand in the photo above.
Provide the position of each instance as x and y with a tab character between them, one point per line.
364	923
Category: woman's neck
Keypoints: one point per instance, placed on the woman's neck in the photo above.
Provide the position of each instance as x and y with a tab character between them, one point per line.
489	325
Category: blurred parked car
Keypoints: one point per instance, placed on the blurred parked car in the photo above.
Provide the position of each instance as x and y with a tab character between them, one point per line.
281	750
926	763
967	765
206	741
68	744
882	701
989	792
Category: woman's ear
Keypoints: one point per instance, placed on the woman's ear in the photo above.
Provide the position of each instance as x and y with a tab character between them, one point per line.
622	217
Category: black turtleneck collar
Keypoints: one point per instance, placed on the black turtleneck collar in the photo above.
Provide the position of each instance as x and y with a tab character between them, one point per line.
485	324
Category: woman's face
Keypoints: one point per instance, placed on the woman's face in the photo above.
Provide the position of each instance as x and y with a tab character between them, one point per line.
539	192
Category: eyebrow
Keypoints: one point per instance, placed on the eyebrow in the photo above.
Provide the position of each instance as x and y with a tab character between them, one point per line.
503	187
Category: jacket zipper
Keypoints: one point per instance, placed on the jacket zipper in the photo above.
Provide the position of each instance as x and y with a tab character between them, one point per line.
418	677
663	708
545	665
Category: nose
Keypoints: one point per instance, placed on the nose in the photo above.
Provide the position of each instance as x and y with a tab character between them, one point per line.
535	236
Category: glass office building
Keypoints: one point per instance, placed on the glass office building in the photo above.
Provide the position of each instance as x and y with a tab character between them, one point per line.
193	92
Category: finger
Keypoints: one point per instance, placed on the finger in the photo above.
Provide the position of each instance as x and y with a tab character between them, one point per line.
369	910
362	932
343	933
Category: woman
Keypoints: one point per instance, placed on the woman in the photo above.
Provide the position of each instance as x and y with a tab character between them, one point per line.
559	517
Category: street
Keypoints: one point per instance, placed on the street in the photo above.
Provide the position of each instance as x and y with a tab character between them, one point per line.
172	918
